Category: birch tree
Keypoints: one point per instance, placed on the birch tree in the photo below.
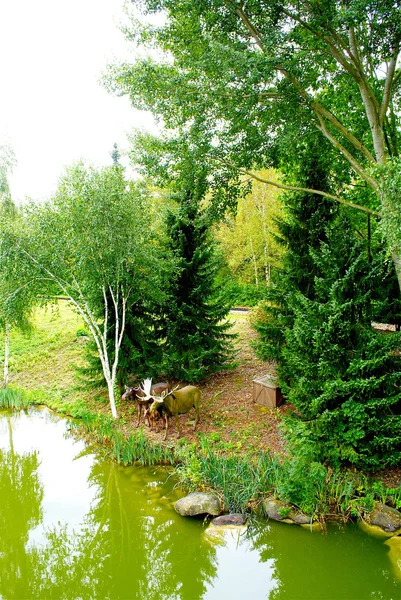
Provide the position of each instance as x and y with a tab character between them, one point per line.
88	242
248	238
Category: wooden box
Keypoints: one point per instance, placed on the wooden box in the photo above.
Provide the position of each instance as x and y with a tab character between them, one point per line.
266	392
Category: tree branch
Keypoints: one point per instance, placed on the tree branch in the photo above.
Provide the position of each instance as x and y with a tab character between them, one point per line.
353	162
397	78
89	312
387	84
343	130
316	106
335	52
310	191
85	314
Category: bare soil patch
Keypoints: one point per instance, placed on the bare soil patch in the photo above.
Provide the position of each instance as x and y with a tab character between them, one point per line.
227	406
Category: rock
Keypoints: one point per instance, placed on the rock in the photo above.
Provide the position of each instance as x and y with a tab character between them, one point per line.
315	526
198	503
277	510
298	518
389	519
232	520
374	530
233	524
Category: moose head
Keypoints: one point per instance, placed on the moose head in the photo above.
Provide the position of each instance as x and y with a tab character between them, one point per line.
142	396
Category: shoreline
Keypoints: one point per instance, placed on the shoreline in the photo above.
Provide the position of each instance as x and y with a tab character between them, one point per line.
196	467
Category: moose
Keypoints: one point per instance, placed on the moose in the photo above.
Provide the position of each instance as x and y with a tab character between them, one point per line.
142	399
173	402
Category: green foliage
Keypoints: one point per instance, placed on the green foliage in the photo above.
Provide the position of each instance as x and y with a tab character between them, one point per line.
302	484
241	83
197	340
390	225
341	375
313	488
247	239
90	242
239	294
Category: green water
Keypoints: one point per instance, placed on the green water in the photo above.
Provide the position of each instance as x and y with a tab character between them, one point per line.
74	525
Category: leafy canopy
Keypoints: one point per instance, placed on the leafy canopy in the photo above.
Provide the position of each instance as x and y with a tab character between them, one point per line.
239	81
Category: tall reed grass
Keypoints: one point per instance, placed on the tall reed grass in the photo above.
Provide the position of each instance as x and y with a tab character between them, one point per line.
313	488
14	398
126	450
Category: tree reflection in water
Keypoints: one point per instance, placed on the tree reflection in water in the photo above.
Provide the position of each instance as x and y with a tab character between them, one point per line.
126	547
343	563
21	495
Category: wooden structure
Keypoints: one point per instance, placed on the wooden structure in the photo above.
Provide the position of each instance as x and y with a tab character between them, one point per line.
266	392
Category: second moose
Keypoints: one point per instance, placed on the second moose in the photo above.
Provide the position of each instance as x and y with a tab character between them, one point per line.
174	403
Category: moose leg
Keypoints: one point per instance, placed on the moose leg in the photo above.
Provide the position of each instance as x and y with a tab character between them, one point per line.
139	414
148	418
177	424
165	435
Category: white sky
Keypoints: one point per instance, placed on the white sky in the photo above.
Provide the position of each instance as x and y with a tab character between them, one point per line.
53	111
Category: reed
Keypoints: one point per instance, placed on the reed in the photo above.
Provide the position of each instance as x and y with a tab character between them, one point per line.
240	482
16	399
313	488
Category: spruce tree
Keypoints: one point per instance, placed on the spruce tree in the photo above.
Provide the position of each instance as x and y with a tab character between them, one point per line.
197	342
342	376
301	230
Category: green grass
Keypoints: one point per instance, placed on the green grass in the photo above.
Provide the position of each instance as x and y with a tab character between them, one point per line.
42	362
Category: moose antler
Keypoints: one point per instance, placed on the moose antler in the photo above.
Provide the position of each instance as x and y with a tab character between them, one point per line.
146	388
169	393
164	394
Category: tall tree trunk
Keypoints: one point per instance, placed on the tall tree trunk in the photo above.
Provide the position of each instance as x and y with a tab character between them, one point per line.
262	210
110	387
6	354
267	269
255	266
396	256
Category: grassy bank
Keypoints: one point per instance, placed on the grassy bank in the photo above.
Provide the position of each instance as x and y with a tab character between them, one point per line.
237	452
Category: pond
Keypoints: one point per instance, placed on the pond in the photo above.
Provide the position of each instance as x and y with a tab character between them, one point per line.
75	525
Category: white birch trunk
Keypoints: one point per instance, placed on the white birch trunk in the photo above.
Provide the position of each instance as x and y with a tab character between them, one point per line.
110	387
265	252
74	293
395	255
255	266
6	354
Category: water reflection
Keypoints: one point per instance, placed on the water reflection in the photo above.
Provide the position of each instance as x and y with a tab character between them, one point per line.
21	496
126	547
73	525
129	543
